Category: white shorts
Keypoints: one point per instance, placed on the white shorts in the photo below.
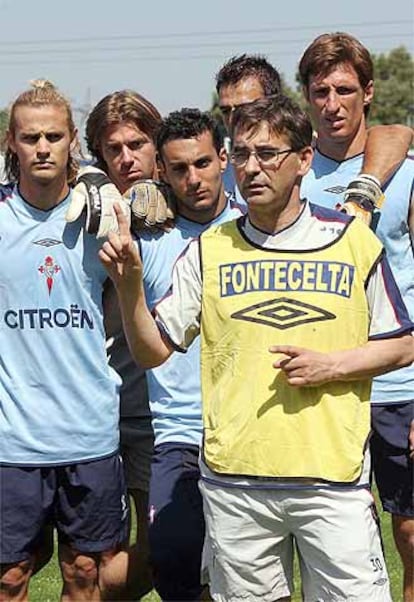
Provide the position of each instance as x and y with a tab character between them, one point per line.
250	534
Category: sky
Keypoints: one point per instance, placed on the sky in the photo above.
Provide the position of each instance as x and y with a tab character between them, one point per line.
170	51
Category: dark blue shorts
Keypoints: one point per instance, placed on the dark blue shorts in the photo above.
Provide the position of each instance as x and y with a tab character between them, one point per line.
176	522
86	502
393	470
137	448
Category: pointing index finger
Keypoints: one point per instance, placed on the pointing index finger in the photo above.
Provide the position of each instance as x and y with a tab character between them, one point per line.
123	225
290	350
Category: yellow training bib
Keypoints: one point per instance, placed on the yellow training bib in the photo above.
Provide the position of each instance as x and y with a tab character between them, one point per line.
255	423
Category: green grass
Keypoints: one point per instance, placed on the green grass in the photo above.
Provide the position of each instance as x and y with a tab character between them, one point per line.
46	585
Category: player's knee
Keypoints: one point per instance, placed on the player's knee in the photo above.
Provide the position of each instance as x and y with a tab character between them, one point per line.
113	570
81	570
86	569
14	579
404	526
407	538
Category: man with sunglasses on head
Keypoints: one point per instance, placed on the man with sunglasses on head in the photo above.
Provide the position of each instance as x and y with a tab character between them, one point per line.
241	80
283	453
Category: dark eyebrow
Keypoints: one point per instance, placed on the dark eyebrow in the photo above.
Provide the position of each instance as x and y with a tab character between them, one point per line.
205	157
175	164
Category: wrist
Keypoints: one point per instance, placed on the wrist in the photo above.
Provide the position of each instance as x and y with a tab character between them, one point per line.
365	190
370	177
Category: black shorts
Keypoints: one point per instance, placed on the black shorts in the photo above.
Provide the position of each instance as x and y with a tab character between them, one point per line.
176	522
86	502
392	467
137	448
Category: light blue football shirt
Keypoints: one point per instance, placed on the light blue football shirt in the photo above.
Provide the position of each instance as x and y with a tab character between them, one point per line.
325	185
58	397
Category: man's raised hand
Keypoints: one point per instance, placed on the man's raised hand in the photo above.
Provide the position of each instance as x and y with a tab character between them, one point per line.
119	254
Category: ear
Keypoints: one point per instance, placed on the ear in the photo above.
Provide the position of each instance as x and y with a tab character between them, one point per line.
305	157
162	172
368	93
223	157
156	172
305	92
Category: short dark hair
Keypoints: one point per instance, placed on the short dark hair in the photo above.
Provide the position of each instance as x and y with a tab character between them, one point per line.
188	123
250	65
281	114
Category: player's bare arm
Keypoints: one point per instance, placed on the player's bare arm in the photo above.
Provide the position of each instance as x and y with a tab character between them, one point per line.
385	149
305	367
120	256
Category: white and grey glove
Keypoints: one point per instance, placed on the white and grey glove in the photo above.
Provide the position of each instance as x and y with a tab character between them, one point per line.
363	198
152	205
96	194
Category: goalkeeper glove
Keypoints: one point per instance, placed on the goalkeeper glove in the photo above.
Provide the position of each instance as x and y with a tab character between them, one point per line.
152	204
95	193
363	198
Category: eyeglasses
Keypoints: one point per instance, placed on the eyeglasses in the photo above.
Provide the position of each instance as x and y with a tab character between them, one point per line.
265	156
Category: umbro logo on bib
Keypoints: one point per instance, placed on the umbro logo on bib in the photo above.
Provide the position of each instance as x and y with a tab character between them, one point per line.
283	313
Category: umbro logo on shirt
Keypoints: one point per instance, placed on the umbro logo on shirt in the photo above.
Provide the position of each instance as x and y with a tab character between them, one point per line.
47	242
336	189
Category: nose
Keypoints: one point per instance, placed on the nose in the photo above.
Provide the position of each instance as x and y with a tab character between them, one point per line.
193	177
226	122
42	147
252	164
332	102
229	118
126	155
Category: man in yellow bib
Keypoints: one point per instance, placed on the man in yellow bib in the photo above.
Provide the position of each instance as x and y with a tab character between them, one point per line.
284	450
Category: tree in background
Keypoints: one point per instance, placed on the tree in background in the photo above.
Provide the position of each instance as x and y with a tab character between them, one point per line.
215	111
394	88
4	119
